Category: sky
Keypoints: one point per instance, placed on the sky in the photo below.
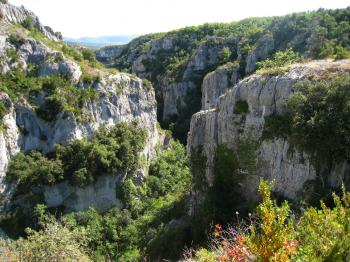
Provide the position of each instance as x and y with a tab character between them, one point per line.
80	18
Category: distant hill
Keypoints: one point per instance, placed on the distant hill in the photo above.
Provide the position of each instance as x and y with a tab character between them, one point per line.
98	42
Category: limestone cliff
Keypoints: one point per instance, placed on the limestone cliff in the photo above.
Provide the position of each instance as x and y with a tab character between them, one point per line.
120	97
276	159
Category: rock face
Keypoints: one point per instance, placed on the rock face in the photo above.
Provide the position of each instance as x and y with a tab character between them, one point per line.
120	98
133	102
217	83
18	15
101	195
173	96
174	92
107	54
9	143
262	50
276	159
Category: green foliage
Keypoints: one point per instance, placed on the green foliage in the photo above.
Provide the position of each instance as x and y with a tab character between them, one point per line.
147	84
318	120
241	107
324	235
280	63
108	152
140	229
277	126
28	23
54	243
16	39
342	53
3	110
225	54
33	169
59	94
276	235
270	240
12	53
88	54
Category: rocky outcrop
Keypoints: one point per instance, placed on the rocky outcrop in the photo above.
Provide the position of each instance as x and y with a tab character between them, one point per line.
107	54
262	50
276	159
26	131
102	195
217	83
120	98
18	15
174	92
28	53
208	55
9	144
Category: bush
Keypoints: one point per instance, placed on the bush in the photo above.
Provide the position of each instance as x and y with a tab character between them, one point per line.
142	228
318	113
316	122
147	84
108	152
54	243
241	107
33	169
88	54
280	62
16	39
275	235
3	110
12	53
28	23
342	53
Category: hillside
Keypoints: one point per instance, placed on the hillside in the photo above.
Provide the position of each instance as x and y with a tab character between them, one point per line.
99	42
223	142
177	62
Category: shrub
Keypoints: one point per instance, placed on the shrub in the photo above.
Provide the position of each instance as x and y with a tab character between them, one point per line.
16	39
318	112
274	239
28	23
12	53
342	53
225	55
147	84
53	243
241	107
3	110
115	150
325	234
280	62
88	54
33	169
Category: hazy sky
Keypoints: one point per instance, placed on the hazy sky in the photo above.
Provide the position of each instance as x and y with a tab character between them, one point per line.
77	18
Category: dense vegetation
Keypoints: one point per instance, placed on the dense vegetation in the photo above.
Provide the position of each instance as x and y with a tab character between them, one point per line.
141	229
106	153
318	119
59	95
231	166
276	234
280	62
